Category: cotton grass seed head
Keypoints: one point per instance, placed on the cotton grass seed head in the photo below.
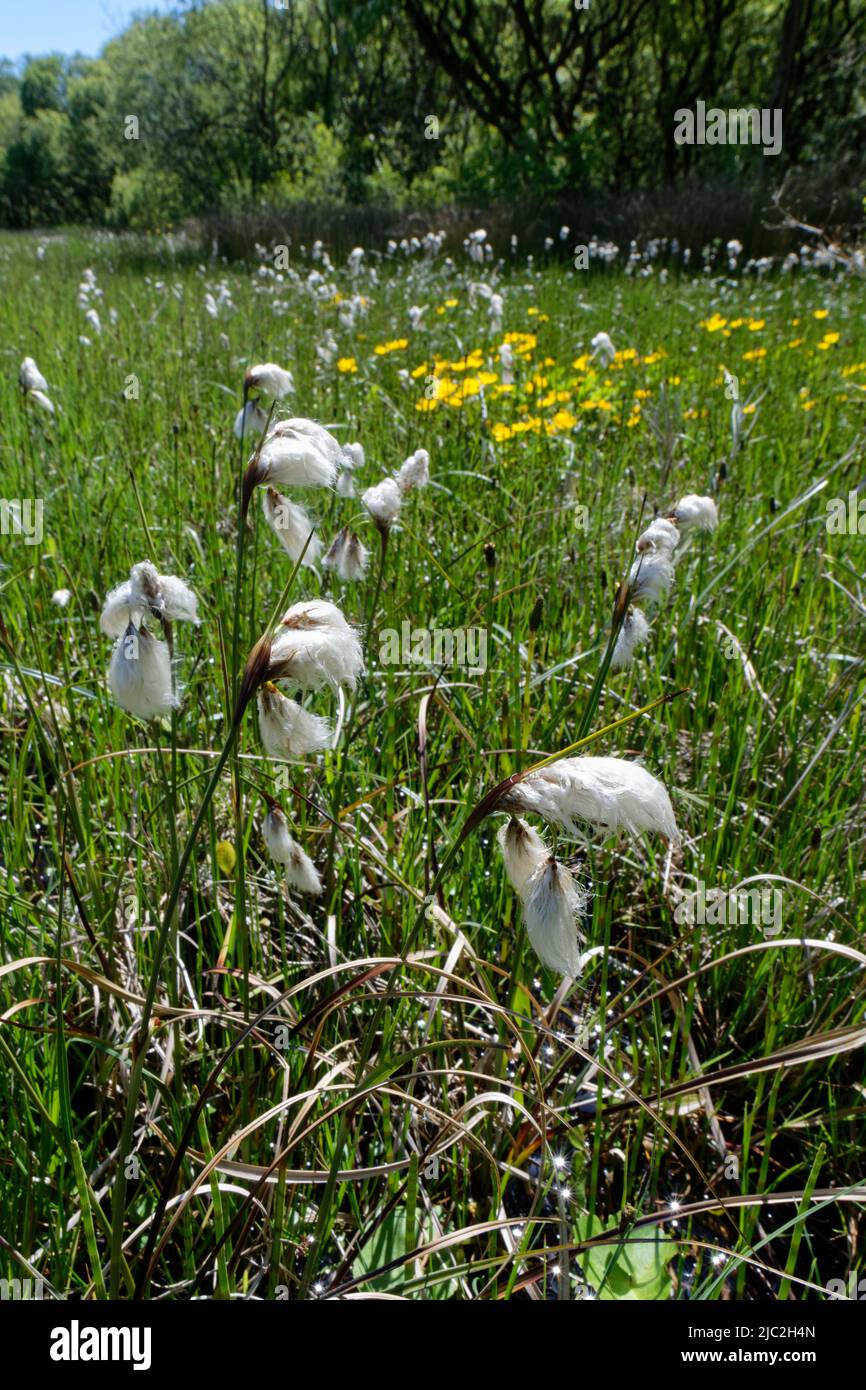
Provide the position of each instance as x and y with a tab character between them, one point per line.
415	472
250	420
347	556
270	379
383	503
632	635
299	427
289	731
39	398
523	850
651	577
553	901
148	593
694	513
608	794
30	377
139	676
300	870
353	455
292	527
315	646
288	460
661	534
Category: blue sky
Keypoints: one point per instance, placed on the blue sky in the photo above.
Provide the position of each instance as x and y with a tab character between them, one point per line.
66	26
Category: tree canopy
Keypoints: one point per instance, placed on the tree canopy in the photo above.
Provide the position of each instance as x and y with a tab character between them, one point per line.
233	103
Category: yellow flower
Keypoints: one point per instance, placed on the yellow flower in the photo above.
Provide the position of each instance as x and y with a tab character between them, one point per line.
524	342
643	394
755	325
487	378
820	313
809	405
426	403
347	364
796	342
754	354
473	360
564	420
419	371
580	364
451	303
712	324
382	349
828	340
500	432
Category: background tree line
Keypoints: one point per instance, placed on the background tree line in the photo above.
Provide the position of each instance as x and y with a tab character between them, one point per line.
244	103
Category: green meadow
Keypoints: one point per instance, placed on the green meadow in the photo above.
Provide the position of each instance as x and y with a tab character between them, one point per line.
215	1085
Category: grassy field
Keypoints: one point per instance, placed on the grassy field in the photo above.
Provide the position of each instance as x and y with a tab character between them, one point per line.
217	1086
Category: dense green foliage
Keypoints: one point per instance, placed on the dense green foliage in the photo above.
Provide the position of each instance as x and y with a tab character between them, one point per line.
422	103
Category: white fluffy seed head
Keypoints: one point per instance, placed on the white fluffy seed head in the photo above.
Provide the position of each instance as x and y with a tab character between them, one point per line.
651	577
139	676
292	527
415	472
552	903
147	592
300	869
39	398
383	503
315	646
30	377
661	534
522	851
298	427
632	635
270	379
345	485
288	730
347	556
353	455
289	460
250	420
609	794
696	513
603	347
